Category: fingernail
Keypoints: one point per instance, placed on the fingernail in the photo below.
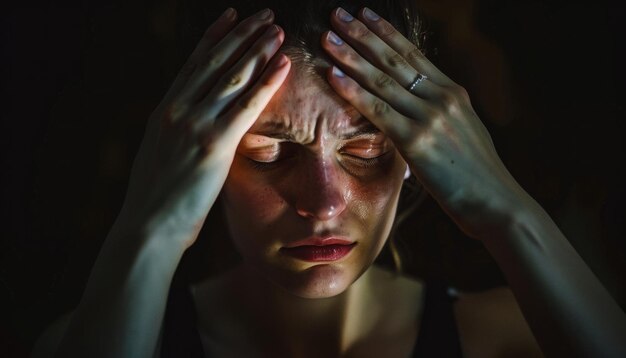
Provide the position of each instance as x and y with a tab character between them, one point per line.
343	15
273	30
337	72
264	14
332	37
282	60
229	13
370	15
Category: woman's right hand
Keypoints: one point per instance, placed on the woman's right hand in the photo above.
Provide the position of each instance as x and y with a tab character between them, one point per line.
191	136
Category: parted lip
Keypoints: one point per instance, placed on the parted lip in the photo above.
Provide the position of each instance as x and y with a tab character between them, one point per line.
321	241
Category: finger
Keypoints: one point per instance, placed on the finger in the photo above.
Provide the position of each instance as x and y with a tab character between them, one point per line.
392	37
375	50
233	124
211	36
376	81
245	71
227	51
395	125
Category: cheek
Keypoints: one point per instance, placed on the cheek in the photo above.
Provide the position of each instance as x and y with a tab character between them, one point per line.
251	202
375	200
251	207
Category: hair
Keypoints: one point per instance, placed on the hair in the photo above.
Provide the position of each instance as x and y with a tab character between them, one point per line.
303	22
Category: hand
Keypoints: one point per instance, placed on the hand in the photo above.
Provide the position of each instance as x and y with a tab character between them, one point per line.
191	137
434	127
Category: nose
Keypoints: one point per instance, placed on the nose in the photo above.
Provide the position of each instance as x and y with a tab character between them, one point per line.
321	195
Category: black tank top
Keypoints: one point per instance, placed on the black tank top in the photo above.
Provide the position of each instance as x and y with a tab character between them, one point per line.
438	335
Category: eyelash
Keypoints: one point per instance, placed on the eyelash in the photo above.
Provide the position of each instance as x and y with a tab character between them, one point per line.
367	162
263	166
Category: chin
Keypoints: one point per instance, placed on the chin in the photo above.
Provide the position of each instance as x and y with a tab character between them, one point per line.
318	281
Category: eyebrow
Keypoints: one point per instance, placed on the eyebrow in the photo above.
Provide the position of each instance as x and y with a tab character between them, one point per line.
279	131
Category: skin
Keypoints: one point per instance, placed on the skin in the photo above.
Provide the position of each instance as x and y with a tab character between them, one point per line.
317	183
451	153
179	170
184	161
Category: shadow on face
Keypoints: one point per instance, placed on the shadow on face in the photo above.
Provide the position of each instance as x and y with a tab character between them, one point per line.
311	168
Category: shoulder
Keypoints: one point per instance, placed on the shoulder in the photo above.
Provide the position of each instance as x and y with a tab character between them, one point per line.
493	313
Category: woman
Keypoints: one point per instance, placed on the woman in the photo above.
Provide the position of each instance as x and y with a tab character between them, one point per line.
308	145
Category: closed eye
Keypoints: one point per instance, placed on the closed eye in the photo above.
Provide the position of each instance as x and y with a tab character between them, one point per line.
267	158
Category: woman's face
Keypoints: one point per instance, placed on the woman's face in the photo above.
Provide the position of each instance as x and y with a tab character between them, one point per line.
312	168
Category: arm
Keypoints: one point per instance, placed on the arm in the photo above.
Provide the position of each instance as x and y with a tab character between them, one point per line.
182	163
568	309
122	308
448	149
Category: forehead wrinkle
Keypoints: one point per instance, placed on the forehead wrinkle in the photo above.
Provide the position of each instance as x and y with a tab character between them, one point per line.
305	107
284	126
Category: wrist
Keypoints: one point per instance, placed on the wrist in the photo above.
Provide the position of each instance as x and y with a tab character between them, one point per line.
493	214
517	215
140	234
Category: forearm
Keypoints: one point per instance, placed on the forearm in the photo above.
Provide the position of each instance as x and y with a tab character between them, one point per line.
569	311
122	308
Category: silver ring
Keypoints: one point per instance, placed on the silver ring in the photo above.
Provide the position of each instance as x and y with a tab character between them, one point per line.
418	79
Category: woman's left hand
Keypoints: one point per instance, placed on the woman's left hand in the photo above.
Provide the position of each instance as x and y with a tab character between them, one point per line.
433	126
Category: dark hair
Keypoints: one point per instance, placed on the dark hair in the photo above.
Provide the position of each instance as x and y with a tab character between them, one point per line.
303	22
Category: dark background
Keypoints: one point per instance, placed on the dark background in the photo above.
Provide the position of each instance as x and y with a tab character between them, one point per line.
79	80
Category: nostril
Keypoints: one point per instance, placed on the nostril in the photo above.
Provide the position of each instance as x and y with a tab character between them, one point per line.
323	205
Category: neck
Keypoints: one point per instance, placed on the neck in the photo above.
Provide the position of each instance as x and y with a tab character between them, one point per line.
284	317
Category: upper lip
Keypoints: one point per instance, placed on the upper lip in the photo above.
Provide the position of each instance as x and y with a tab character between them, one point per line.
321	241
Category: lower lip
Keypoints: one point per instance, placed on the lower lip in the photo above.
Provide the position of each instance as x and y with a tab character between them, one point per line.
319	253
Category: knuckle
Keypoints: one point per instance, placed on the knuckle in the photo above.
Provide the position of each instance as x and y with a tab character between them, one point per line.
432	113
437	123
387	30
247	102
395	60
380	108
414	55
460	92
212	60
173	112
232	79
352	57
448	99
351	93
383	81
361	33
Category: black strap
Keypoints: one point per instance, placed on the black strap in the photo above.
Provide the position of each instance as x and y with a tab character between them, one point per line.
438	334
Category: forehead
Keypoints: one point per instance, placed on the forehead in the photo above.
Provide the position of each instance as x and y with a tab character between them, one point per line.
306	107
